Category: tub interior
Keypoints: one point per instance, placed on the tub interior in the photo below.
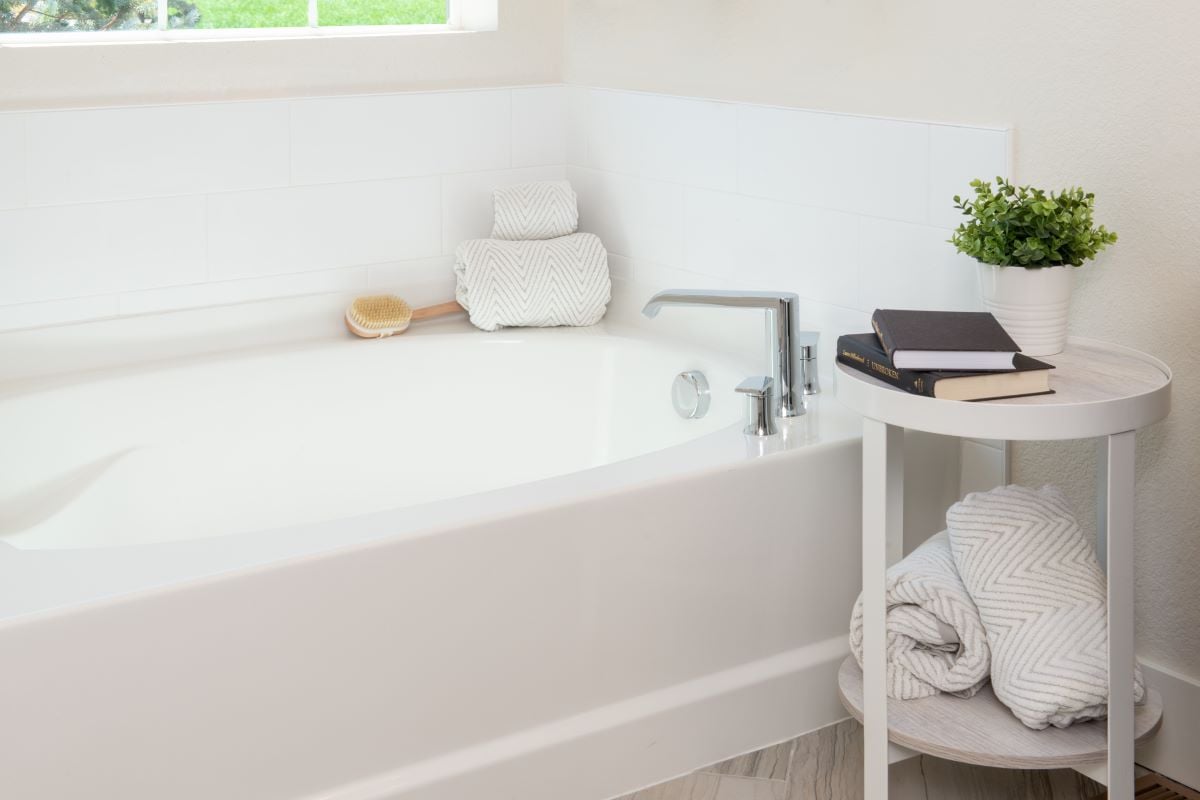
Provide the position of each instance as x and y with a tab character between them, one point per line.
268	439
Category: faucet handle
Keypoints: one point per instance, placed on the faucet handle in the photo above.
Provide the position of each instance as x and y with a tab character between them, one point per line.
808	380
759	419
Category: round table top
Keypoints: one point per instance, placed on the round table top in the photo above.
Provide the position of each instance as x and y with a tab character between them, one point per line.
1100	388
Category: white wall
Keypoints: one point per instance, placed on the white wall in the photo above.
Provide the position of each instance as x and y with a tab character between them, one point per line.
189	205
526	49
1101	94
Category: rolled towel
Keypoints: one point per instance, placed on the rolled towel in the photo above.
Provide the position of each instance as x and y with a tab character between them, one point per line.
935	639
540	210
561	281
1041	594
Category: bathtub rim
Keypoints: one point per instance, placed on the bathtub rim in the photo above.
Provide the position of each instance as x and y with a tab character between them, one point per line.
52	576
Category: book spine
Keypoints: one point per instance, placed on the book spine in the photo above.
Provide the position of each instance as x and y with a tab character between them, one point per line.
880	329
860	358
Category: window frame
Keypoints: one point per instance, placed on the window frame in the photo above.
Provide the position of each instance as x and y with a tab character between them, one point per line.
461	15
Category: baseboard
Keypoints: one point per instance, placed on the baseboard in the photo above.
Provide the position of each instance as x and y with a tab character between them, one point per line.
1173	752
638	742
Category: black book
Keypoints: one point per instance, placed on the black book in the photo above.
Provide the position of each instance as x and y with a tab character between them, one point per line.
956	340
1027	376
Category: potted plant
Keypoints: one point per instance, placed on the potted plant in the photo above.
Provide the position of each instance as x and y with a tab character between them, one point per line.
1027	243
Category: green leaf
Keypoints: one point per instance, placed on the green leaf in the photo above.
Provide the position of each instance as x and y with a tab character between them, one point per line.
1026	226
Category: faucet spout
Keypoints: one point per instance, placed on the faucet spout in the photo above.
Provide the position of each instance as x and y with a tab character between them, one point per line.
793	352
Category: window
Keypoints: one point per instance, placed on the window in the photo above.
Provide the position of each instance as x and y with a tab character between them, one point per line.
134	19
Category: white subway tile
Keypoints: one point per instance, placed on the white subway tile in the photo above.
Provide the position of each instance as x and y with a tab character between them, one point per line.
956	156
637	218
423	282
152	152
350	279
770	244
305	228
392	136
467	207
57	312
667	138
705	330
12	160
913	266
889	174
97	248
831	322
578	99
799	156
539	126
858	164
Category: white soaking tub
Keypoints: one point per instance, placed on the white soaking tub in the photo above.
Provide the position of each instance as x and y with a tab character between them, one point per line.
252	560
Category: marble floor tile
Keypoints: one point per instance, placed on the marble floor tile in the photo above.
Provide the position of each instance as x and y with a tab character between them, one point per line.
827	764
770	762
948	780
733	787
697	786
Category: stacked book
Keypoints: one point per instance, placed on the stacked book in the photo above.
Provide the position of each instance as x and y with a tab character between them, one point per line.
950	355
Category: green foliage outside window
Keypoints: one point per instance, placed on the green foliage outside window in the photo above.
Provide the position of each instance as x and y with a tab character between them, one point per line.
35	16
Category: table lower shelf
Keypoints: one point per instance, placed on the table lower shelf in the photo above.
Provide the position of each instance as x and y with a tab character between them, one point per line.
981	730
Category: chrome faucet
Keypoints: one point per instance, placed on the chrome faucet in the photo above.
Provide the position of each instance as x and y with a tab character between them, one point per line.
793	351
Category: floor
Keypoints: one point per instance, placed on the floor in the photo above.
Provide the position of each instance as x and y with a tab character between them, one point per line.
827	765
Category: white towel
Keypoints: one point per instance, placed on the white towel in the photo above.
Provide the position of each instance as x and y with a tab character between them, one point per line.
541	210
935	639
1041	594
561	281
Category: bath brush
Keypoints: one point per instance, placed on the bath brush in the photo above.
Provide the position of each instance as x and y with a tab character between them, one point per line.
383	315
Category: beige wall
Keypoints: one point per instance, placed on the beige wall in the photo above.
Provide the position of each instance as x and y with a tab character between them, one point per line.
525	50
1104	94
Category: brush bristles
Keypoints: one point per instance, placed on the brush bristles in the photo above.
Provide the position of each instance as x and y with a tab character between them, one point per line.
381	312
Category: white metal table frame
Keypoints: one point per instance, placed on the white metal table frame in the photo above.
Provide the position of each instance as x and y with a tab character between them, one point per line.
887	412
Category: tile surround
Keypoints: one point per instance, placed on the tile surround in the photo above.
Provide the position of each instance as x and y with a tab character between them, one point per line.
539	127
847	211
155	151
66	252
302	228
336	139
217	203
12	161
226	202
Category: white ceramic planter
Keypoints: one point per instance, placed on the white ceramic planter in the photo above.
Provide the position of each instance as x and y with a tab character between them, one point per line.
1031	304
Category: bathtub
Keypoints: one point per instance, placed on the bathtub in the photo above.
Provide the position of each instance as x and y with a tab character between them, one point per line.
246	556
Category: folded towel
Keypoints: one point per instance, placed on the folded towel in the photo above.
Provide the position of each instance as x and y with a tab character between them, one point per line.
935	639
541	210
1041	594
561	281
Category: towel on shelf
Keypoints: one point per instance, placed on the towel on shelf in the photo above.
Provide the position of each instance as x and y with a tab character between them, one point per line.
561	281
1041	594
935	639
540	210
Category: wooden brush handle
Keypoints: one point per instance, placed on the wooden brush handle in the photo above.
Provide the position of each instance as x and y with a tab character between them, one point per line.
440	310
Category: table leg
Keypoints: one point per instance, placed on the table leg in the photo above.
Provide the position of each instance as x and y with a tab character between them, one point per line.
883	522
1116	528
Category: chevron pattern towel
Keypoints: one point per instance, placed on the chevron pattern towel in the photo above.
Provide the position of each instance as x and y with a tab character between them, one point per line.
541	210
1041	594
561	281
935	639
